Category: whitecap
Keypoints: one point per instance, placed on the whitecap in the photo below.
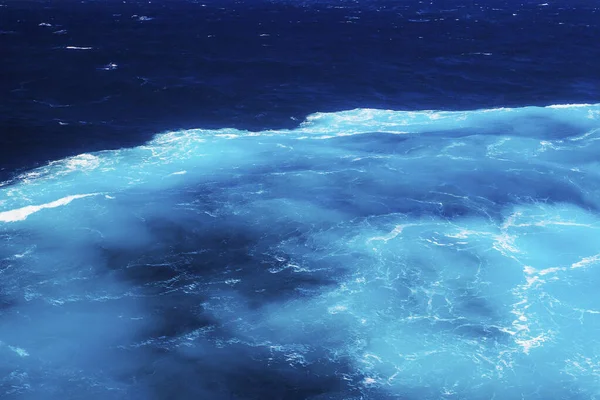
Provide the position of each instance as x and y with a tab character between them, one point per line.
78	48
21	214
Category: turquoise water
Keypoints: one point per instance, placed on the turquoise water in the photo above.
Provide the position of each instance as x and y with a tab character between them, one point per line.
364	254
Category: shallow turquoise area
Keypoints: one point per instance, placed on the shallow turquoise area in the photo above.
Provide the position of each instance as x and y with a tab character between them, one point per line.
364	254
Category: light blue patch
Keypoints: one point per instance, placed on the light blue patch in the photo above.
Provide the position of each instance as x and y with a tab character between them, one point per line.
425	254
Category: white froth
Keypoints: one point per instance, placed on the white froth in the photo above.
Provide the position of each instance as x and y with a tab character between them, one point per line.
569	105
21	214
21	352
18	350
394	233
584	262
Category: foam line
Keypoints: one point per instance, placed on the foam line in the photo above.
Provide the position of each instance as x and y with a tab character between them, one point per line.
21	214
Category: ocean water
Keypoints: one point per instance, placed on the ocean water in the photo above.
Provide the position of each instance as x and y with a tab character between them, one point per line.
310	200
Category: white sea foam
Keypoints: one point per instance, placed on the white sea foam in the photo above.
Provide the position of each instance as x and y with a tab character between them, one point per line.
584	262
21	214
581	105
109	67
81	162
391	235
20	352
17	350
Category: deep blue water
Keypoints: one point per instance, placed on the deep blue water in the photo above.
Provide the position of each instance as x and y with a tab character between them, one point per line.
299	200
257	64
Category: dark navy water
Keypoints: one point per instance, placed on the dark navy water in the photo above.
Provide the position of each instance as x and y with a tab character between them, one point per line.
299	200
257	64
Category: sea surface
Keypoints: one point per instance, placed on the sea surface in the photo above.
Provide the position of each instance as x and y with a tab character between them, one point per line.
299	200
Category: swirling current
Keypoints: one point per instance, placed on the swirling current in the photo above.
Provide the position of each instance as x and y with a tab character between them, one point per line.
366	254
